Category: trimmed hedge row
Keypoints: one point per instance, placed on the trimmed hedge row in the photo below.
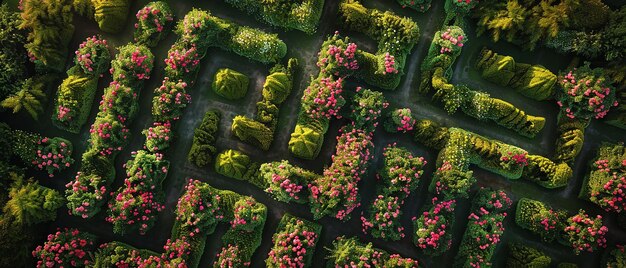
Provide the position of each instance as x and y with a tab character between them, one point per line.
111	14
154	22
349	252
118	254
459	148
237	165
484	229
260	130
521	256
580	231
436	71
109	132
77	91
395	35
533	81
400	175
605	184
300	15
204	136
294	243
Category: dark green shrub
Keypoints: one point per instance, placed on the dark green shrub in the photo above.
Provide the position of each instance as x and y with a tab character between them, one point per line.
521	256
111	14
288	14
230	84
154	22
203	146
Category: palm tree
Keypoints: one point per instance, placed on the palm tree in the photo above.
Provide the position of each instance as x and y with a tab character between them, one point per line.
29	97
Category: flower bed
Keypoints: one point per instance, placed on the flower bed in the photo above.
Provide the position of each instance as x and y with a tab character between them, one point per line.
230	84
203	146
67	248
539	218
260	130
136	205
294	243
77	91
584	233
400	176
153	23
400	120
484	229
349	252
302	15
286	182
335	193
605	185
433	229
585	93
42	153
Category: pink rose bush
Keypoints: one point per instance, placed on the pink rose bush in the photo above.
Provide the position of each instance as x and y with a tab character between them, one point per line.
450	41
93	56
230	257
606	186
433	229
158	136
484	229
247	215
349	252
65	248
136	205
170	100
294	243
539	218
584	233
585	93
42	153
335	192
132	65
400	120
154	21
400	176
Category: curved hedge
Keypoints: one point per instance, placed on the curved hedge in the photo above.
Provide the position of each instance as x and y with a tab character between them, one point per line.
230	84
76	93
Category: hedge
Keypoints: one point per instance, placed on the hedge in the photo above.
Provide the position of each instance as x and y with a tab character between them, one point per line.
395	35
436	71
237	165
119	254
76	93
521	256
301	15
400	175
294	243
66	247
538	218
42	153
285	182
260	130
484	230
419	5
533	81
136	205
604	184
203	146
154	22
111	14
348	252
432	231
230	84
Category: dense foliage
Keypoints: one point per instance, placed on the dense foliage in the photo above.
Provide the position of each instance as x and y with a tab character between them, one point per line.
203	145
65	248
607	179
349	252
13	59
153	23
521	256
294	243
288	14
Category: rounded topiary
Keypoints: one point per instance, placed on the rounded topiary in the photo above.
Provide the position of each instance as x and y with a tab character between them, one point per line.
230	84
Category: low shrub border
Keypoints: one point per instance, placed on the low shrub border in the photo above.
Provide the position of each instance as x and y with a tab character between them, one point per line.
349	252
76	93
299	15
277	87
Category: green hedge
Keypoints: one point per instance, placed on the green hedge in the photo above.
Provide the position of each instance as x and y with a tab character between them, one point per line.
203	146
350	252
285	182
155	21
522	256
237	165
300	15
533	81
117	254
230	84
111	14
540	219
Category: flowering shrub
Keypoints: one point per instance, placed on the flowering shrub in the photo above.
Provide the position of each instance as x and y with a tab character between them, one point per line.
84	194
286	182
450	41
294	243
540	219
132	65
170	99
108	135
584	233
349	252
67	248
585	93
303	16
452	181
93	56
323	99
118	254
384	218
606	185
198	208
154	21
485	228
230	256
419	5
512	160
182	61
459	8
433	229
136	204
42	153
400	120
198	28
247	215
158	136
